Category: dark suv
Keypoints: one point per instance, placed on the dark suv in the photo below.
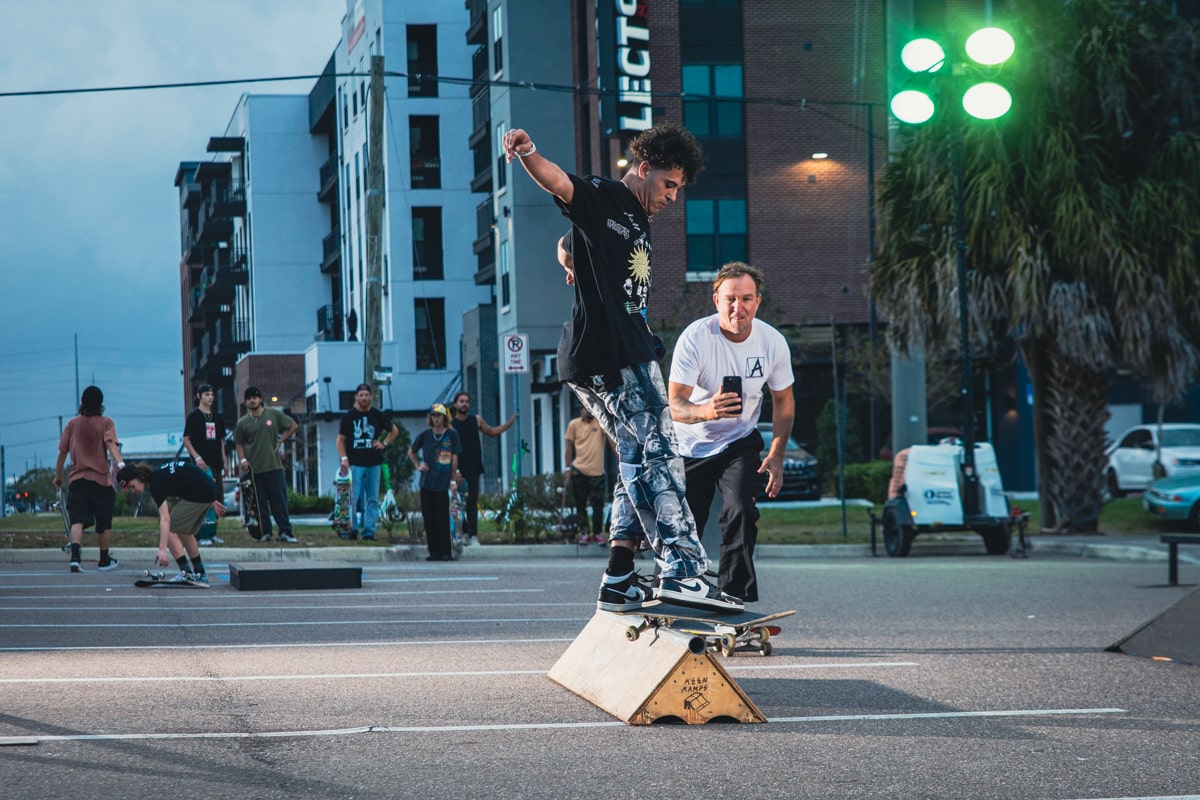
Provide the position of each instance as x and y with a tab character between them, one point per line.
801	471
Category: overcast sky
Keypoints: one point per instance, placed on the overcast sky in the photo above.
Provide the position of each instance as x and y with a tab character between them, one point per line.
89	242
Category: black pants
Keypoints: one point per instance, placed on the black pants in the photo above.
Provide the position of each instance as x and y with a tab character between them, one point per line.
470	521
735	472
271	491
589	490
435	512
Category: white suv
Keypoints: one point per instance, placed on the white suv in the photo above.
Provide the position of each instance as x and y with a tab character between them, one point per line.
1131	459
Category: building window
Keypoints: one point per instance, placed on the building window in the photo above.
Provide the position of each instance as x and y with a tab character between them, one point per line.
430	315
422	61
713	117
427	243
505	284
500	173
716	233
497	40
426	152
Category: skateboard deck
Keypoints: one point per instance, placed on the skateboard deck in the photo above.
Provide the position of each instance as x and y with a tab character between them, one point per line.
728	633
66	518
456	540
250	507
342	513
159	579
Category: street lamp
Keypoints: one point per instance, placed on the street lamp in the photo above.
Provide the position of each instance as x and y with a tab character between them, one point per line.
985	50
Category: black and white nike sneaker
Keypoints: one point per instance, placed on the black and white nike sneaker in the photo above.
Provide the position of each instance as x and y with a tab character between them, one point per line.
624	593
696	593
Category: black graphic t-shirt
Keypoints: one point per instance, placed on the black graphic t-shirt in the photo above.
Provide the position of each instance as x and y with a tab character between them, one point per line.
184	480
207	433
610	245
360	429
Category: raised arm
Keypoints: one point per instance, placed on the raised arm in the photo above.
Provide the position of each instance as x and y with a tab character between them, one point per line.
545	173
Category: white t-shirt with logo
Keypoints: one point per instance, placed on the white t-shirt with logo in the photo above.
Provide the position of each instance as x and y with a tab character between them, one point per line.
703	356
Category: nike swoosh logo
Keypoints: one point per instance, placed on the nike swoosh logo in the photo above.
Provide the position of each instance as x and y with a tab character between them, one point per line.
694	586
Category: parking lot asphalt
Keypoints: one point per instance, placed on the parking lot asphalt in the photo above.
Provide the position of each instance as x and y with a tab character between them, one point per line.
945	674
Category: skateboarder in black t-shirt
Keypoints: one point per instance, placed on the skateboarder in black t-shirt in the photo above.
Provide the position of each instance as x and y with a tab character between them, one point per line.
607	355
184	494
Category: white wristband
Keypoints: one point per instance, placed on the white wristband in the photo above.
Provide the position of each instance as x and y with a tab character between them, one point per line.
244	461
120	465
532	149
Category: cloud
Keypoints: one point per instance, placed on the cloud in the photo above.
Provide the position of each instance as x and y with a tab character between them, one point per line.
90	240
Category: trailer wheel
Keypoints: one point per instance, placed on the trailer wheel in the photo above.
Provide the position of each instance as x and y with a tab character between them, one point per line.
897	535
996	538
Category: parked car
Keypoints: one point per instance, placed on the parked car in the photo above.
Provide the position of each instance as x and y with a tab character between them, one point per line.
801	472
233	496
1131	458
1174	499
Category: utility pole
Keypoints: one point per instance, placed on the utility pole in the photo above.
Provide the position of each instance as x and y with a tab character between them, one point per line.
373	327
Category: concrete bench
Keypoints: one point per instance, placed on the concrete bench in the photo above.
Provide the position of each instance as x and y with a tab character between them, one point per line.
1173	540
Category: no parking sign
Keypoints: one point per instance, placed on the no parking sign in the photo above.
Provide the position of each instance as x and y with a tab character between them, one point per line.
515	353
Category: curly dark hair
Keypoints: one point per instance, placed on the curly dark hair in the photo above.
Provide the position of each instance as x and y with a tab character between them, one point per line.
669	145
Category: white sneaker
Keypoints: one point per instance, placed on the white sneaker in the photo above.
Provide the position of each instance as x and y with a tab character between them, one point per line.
696	593
472	541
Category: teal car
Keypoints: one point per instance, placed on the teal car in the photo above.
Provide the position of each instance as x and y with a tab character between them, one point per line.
1174	499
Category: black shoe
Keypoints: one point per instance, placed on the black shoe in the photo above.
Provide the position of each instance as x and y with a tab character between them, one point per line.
368	537
696	593
107	565
624	593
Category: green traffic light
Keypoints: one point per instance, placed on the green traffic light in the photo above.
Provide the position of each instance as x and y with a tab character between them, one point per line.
923	55
990	46
912	107
987	101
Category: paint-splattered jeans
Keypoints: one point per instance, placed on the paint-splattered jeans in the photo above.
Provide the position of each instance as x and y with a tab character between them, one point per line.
649	502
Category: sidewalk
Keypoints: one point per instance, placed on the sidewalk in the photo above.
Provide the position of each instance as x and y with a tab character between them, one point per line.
1108	548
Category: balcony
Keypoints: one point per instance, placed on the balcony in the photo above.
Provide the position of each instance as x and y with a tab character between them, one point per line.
477	26
191	196
482	154
224	270
329	179
329	324
480	74
485	224
224	341
485	272
481	116
331	251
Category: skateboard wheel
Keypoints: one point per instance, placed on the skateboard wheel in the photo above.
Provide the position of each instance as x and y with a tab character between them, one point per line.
728	643
632	633
764	634
765	649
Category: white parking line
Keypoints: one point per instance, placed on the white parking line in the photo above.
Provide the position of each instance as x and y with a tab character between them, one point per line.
363	675
442	729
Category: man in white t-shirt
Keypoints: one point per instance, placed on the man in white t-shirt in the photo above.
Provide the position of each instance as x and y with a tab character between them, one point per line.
716	420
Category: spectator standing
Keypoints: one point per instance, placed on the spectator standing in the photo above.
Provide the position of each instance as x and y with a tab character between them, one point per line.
435	454
259	436
90	496
585	470
204	439
364	433
470	463
718	429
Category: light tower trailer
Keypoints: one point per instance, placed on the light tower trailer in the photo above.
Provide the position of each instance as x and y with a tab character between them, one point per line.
930	500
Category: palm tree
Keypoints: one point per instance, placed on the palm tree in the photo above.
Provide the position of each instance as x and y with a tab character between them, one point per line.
1082	209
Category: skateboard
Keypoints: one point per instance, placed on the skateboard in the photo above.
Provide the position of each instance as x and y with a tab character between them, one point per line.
149	579
725	632
456	540
342	513
250	507
66	518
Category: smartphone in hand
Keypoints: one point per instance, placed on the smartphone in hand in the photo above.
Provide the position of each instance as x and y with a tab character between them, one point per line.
731	383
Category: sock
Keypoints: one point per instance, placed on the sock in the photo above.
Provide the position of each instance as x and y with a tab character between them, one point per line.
197	565
620	561
75	551
103	556
182	562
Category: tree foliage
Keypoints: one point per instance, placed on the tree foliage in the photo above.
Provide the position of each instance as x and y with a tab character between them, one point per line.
1082	211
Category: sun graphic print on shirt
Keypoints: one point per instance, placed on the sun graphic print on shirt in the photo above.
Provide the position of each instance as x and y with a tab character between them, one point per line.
637	285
